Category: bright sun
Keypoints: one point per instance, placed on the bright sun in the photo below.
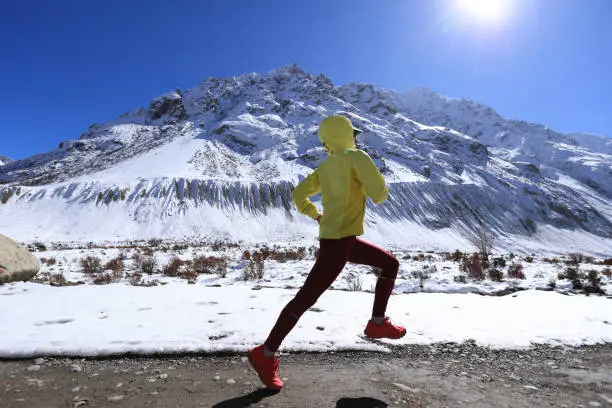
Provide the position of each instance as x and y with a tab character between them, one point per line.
489	11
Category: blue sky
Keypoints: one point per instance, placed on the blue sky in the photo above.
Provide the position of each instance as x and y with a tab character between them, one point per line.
67	64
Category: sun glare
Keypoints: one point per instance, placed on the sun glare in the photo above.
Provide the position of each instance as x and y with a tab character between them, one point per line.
488	11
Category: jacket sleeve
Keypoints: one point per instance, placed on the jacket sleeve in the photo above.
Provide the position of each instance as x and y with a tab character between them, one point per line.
370	177
308	187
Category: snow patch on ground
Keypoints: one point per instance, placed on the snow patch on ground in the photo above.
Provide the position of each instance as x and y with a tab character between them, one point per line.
104	320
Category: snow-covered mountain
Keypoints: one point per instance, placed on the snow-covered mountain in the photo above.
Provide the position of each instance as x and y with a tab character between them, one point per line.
4	160
220	160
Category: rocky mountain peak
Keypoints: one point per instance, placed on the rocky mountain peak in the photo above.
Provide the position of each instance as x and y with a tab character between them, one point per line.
5	160
241	144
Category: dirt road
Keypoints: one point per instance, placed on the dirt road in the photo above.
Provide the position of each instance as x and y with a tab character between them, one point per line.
442	375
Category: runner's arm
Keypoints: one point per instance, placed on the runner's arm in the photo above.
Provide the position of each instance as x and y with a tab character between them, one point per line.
306	188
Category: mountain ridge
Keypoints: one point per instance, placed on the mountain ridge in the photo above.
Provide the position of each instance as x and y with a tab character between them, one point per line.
5	160
237	146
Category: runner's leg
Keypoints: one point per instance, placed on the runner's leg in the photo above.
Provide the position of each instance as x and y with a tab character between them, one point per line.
333	255
365	253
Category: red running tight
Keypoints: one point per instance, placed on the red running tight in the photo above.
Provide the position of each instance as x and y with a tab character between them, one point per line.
333	255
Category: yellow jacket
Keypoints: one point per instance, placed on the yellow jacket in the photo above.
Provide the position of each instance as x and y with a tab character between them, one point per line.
343	180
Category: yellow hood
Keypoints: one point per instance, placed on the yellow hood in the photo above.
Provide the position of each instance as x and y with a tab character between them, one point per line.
344	179
336	134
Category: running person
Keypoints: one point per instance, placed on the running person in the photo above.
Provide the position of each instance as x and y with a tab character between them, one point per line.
343	179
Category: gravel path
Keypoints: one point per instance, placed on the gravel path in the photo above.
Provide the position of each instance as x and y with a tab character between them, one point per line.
441	375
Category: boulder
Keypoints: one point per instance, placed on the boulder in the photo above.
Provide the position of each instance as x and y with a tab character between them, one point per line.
16	262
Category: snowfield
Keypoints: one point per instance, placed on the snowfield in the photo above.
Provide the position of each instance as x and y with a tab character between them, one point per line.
221	311
115	319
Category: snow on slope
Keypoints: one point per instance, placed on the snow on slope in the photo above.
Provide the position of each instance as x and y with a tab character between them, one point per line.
585	157
221	159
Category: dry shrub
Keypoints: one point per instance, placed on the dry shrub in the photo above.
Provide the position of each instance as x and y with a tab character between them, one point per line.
460	279
464	265
40	246
607	262
313	251
148	264
452	256
575	259
420	274
258	260
574	275
495	275
424	274
457	255
593	282
137	260
515	271
91	265
217	246
135	279
190	275
154	242
287	255
473	267
173	267
551	260
57	279
256	266
115	265
48	261
483	240
103	279
145	264
249	272
484	263
210	264
220	246
353	283
607	272
499	262
263	252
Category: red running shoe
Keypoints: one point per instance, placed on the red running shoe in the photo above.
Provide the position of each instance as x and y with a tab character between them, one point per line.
385	331
267	368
